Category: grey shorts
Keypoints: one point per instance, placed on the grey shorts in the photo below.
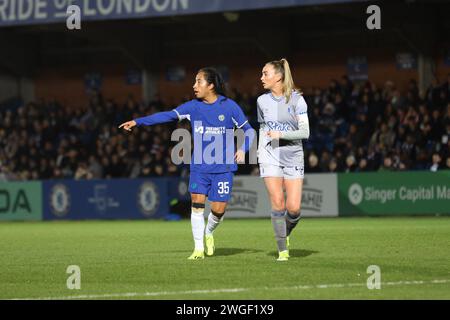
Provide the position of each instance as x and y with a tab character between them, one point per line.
270	170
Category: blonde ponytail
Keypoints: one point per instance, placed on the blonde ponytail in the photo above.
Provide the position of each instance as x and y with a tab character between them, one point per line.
282	66
288	82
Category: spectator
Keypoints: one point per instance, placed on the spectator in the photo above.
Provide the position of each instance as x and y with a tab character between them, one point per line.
95	168
362	165
387	164
313	164
83	173
433	93
333	166
350	163
435	162
446	86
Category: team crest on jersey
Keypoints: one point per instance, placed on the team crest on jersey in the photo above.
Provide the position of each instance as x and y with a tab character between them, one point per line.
221	117
291	109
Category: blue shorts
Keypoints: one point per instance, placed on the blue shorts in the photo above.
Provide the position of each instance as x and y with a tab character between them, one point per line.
216	186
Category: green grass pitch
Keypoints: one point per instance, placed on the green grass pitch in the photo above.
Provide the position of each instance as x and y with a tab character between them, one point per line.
148	260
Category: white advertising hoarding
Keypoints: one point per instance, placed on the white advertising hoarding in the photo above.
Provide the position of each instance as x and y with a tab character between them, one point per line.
250	199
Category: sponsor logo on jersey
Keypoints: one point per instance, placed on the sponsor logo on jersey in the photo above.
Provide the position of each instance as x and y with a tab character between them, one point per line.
210	130
199	130
277	126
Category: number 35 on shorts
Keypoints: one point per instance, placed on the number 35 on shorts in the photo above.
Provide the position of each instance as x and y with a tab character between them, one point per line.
223	187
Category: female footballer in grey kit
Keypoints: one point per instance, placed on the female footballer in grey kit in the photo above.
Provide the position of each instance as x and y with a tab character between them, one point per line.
282	113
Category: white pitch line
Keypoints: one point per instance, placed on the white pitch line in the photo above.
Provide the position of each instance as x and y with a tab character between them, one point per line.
136	294
343	285
233	290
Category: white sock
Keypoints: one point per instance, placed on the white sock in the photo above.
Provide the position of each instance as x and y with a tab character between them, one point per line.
198	228
213	222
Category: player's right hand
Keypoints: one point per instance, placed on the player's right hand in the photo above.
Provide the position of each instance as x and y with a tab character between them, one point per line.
128	125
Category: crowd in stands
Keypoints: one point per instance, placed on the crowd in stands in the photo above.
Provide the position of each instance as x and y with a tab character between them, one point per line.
354	128
358	128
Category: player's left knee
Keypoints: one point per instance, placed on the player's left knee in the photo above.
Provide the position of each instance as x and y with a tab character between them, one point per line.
217	214
294	210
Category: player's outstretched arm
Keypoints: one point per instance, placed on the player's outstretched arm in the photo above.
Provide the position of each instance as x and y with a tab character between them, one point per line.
157	118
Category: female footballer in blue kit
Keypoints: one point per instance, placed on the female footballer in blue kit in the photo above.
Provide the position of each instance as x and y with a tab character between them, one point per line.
211	114
282	113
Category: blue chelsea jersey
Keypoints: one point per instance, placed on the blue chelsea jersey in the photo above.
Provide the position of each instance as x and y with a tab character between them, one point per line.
213	132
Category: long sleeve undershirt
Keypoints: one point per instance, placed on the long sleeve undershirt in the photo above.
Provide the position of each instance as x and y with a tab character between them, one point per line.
301	133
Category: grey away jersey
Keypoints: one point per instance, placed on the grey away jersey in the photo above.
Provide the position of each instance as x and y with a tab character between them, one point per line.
275	115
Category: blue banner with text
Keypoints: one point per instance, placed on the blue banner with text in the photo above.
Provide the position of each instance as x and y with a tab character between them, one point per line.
24	12
105	199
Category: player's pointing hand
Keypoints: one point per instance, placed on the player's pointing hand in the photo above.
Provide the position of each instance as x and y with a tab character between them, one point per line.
128	125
